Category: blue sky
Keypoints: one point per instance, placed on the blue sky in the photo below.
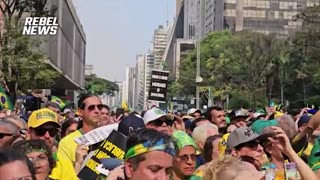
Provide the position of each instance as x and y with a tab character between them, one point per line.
118	30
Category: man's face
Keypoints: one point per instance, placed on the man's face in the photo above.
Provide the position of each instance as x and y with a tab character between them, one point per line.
105	117
91	112
197	114
161	124
240	122
252	149
219	118
185	162
46	132
157	165
15	170
6	137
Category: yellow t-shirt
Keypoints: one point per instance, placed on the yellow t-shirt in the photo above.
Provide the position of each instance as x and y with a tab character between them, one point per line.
63	170
67	147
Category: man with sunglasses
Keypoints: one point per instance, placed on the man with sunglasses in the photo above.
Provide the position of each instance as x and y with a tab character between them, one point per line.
43	124
89	109
157	119
8	133
245	142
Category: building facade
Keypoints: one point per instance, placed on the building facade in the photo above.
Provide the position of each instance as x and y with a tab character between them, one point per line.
213	16
131	87
66	50
265	16
140	81
159	44
190	18
148	66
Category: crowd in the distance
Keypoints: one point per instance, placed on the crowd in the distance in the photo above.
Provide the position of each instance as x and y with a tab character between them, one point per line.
212	145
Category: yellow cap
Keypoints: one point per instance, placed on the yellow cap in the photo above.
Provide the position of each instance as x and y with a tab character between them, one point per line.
41	116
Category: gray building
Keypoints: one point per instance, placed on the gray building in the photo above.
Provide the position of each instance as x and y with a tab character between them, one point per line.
214	20
131	83
67	49
140	81
266	16
159	44
148	66
190	18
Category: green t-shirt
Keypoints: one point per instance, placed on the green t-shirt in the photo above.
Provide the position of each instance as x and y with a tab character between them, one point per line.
314	159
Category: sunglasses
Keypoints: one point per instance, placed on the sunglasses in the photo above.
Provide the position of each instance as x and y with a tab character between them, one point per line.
2	135
94	106
42	131
159	122
253	145
186	157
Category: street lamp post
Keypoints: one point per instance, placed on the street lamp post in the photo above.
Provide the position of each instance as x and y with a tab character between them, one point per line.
198	77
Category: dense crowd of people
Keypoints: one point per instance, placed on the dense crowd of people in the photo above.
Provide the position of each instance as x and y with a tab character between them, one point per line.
214	145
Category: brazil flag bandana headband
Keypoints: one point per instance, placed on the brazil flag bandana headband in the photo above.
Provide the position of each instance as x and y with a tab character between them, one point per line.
146	147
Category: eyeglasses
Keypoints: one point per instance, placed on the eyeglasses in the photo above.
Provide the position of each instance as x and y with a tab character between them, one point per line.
93	107
253	145
42	131
2	135
186	157
42	158
159	122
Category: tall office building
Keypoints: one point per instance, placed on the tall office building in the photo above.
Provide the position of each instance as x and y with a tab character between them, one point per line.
190	17
159	44
179	4
131	83
140	81
148	66
265	16
213	16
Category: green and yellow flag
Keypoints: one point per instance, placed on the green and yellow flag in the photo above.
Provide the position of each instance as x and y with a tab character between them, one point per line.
59	101
5	102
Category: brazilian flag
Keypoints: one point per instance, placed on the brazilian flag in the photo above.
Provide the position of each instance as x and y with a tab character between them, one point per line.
59	101
5	102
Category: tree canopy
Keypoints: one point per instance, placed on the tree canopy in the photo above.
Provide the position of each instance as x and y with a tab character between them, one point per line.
253	68
97	85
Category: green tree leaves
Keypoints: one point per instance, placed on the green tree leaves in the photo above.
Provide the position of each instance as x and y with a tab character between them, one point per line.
96	85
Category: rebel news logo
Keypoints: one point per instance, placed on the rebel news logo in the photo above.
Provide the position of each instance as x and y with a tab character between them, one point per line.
40	26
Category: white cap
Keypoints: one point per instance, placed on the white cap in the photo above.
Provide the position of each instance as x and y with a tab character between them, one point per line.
192	110
154	114
65	111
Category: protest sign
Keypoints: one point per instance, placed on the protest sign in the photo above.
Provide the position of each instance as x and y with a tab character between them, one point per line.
113	147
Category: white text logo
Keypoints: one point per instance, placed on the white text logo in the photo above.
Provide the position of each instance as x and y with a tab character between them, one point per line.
40	26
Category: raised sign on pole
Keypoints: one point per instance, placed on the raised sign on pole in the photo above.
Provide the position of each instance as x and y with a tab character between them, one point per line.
158	86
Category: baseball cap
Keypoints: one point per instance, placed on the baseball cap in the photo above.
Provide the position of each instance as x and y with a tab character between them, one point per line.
303	119
240	136
65	111
183	139
238	114
193	110
259	125
130	124
154	114
42	116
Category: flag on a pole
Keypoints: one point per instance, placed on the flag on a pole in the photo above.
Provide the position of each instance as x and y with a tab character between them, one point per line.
5	102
